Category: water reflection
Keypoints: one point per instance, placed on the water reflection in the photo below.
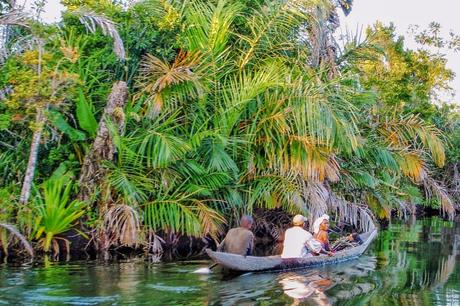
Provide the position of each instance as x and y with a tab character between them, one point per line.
412	261
301	287
413	264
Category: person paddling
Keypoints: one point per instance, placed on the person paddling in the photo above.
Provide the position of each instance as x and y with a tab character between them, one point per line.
239	240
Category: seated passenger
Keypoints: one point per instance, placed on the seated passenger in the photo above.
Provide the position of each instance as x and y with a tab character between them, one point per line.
355	238
320	230
296	239
239	240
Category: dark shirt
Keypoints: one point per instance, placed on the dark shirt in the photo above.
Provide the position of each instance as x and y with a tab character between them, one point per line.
358	239
237	241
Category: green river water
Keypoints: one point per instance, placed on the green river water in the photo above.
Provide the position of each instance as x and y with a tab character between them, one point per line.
415	263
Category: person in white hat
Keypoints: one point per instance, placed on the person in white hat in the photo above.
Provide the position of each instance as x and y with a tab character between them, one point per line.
297	240
318	222
320	231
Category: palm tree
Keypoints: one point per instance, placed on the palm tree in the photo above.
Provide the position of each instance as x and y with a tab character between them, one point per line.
247	106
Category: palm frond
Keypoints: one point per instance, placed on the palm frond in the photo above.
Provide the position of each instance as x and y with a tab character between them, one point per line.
130	183
412	166
55	213
244	87
122	225
434	188
276	191
159	148
209	25
356	47
180	79
330	121
15	17
182	213
199	179
156	75
273	117
357	215
248	84
314	163
92	21
383	157
215	155
363	179
402	132
270	28
316	195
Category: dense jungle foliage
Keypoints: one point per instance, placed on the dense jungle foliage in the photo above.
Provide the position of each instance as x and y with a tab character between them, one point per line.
132	124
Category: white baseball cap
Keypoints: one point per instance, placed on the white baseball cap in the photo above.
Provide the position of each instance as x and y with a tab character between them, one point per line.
298	220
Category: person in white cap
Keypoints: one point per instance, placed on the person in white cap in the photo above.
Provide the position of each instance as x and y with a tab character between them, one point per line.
298	241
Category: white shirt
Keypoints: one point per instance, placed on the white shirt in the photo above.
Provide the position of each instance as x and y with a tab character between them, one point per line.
295	239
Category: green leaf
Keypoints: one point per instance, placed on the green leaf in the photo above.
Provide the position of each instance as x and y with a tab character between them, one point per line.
61	170
61	124
85	115
5	120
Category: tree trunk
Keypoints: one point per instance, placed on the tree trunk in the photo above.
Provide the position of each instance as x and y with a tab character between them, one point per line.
103	148
32	164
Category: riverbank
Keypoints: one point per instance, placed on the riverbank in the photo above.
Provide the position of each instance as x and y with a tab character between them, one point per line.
268	229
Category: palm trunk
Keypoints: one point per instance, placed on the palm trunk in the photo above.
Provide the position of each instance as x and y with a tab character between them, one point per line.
103	148
32	164
92	173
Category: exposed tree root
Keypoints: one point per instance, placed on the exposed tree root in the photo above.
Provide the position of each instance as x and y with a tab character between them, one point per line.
13	231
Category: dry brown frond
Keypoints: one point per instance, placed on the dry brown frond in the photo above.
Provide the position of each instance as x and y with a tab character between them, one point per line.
432	187
15	17
271	222
157	75
317	196
154	246
306	140
92	21
332	170
452	182
320	165
55	247
122	225
13	231
356	215
71	53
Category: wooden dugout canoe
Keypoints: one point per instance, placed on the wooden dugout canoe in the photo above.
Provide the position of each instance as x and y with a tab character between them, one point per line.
276	263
